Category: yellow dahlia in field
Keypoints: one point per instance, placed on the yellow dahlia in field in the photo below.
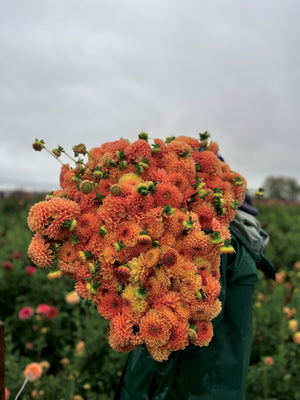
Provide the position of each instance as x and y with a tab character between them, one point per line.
141	227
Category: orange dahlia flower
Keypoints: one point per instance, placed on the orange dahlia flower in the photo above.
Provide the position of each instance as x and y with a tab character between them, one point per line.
204	333
40	252
138	150
194	143
154	330
35	369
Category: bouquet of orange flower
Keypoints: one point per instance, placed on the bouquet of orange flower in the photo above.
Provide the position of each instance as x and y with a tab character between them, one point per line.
141	228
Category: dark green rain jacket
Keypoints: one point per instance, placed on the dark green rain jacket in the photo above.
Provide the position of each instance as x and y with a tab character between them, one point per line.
218	371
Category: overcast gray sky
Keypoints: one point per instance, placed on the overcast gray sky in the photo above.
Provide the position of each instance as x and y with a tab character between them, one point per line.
96	70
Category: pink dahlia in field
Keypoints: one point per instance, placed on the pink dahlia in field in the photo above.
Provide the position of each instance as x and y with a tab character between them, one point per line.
30	270
26	313
42	309
47	311
52	312
29	345
35	369
7	265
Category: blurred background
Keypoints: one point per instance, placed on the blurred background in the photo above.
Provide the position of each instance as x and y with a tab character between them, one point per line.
90	72
98	70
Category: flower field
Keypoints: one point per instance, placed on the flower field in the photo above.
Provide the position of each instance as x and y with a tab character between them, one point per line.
63	342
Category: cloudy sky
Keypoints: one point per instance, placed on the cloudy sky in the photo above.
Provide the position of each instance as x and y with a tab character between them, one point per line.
96	70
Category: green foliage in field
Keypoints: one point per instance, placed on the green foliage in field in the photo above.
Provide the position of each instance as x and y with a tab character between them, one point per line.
93	371
282	222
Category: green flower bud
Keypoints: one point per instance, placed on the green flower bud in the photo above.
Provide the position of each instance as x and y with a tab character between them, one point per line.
38	145
115	190
86	186
143	136
80	149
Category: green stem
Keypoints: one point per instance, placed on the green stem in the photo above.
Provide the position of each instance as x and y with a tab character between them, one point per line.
50	152
70	157
266	383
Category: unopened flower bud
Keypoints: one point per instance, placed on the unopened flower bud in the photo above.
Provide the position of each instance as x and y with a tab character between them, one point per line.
151	187
199	295
259	192
80	149
227	248
123	164
102	231
120	154
170	139
156	149
86	187
203	143
78	169
55	275
123	272
192	334
91	289
56	152
155	243
141	293
144	240
115	190
188	226
143	165
142	188
71	225
82	256
168	210
91	268
117	247
75	179
238	181
143	136
106	161
216	238
202	193
38	145
119	288
204	136
98	174
217	193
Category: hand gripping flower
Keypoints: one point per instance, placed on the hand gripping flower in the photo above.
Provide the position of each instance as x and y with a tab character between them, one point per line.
141	229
